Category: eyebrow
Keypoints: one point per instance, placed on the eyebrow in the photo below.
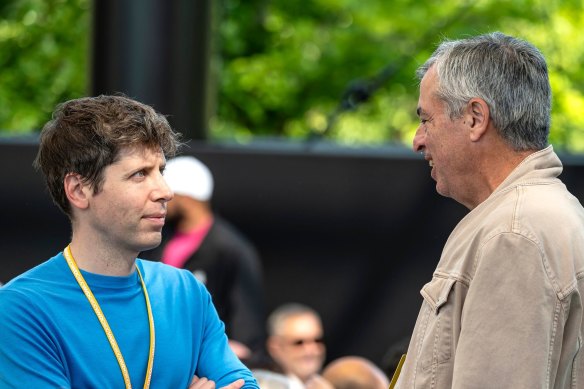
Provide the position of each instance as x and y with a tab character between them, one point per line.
142	166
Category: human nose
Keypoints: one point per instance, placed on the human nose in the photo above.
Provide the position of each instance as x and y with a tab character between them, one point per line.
313	348
313	345
163	191
419	143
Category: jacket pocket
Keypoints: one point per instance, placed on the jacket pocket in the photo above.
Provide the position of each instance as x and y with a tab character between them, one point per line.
437	343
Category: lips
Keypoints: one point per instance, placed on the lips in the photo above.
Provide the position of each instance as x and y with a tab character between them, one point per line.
156	218
156	215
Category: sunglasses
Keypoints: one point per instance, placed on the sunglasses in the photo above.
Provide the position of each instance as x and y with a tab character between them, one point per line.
302	342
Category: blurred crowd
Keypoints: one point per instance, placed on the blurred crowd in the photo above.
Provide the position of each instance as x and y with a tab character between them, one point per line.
283	350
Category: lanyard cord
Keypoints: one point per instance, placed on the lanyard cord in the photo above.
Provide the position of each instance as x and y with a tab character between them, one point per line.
106	328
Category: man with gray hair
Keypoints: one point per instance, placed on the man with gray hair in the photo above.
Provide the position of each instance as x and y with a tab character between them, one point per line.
295	342
504	306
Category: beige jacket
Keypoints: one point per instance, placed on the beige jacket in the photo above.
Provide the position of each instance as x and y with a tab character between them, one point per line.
504	307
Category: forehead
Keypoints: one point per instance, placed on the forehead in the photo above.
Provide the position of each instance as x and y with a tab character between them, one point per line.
129	154
429	82
428	89
300	324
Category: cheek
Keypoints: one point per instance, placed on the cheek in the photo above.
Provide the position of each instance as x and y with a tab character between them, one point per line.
125	209
447	144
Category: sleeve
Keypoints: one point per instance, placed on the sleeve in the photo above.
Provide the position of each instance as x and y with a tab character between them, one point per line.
216	360
509	318
29	357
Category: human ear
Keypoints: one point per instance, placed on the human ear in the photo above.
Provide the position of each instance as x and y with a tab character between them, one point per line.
477	118
76	190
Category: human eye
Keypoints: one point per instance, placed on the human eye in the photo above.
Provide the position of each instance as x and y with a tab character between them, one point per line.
425	120
139	174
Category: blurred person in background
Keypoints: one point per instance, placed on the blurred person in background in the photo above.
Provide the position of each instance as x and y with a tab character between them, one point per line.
271	380
296	344
217	254
354	372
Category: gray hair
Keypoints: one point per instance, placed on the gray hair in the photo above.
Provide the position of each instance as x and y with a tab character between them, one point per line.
282	313
509	74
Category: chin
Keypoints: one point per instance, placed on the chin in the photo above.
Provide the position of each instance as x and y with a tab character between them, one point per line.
442	190
442	193
151	243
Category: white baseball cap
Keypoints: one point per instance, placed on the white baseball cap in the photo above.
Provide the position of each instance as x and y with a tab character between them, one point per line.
188	176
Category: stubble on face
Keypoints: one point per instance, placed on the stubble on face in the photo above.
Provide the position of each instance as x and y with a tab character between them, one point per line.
131	207
445	140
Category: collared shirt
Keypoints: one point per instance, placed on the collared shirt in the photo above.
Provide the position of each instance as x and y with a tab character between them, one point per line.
295	382
504	306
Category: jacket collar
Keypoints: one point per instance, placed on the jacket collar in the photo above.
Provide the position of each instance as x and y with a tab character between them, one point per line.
542	165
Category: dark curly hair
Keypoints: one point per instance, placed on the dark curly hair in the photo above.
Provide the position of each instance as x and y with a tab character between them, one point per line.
86	135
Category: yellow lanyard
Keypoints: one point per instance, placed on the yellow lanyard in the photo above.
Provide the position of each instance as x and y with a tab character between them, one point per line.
105	325
397	371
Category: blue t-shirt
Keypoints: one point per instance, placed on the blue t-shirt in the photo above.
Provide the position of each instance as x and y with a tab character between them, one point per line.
51	337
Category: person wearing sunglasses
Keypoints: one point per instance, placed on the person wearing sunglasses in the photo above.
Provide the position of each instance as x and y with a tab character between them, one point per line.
296	344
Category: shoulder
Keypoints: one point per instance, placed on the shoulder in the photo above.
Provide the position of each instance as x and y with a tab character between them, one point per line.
229	239
534	211
169	279
159	270
48	273
33	294
544	211
528	209
544	220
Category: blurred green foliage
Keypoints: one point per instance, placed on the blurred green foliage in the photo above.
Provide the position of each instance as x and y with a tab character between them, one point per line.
284	68
44	59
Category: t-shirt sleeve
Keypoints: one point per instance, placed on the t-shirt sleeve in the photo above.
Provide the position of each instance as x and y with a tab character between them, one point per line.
216	361
29	355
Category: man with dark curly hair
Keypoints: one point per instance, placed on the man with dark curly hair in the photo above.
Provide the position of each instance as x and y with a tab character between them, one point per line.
95	315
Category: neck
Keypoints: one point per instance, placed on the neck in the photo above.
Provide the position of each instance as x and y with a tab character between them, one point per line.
101	258
494	168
